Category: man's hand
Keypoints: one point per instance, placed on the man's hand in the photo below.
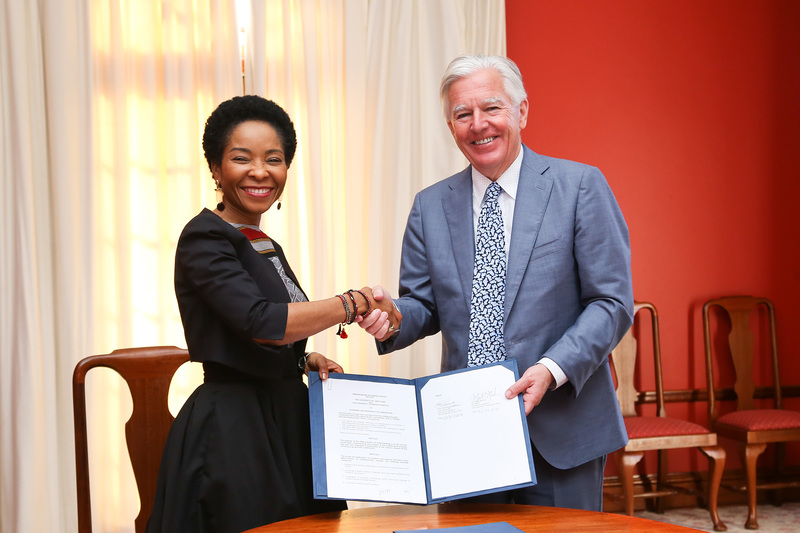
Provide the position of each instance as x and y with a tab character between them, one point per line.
532	385
383	321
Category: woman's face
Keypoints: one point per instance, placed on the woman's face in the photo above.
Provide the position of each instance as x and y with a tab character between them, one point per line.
252	173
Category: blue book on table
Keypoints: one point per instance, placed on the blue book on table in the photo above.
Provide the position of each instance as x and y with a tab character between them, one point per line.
493	527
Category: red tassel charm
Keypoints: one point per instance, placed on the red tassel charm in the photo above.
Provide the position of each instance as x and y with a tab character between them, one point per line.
342	333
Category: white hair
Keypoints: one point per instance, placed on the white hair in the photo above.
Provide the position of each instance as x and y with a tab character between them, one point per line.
466	65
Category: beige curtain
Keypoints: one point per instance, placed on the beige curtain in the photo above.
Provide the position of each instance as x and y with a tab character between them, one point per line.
160	67
102	104
360	79
45	267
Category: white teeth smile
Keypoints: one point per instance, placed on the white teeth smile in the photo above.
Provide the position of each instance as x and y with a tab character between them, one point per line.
253	190
486	140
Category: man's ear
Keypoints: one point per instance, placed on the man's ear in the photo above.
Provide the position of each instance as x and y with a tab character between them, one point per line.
523	113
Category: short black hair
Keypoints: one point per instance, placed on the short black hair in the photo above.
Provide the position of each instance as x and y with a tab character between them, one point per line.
230	113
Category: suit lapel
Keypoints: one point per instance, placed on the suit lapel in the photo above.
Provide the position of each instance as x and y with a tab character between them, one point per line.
533	194
457	207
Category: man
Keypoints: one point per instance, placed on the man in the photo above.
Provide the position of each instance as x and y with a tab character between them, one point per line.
566	299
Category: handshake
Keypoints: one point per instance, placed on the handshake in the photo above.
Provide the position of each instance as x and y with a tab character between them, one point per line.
383	321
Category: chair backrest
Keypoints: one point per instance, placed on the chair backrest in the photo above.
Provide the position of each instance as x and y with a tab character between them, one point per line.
623	357
148	373
741	344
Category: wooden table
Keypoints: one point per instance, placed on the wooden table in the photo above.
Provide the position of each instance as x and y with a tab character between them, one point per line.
528	518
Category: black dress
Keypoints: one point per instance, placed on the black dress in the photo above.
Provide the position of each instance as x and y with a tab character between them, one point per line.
239	452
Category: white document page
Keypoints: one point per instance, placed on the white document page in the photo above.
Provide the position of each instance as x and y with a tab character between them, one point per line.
372	442
474	434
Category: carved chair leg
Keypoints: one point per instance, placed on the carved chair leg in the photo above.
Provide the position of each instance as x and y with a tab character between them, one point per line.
749	454
716	465
626	462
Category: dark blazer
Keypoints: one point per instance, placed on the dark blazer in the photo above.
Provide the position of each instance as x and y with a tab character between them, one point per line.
569	295
229	294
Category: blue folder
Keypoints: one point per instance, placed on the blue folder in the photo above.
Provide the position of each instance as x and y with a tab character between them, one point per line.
319	461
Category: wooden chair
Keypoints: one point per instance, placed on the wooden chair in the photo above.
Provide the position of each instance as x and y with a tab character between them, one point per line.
658	432
752	428
148	373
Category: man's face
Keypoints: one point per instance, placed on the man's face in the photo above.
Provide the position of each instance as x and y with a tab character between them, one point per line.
484	123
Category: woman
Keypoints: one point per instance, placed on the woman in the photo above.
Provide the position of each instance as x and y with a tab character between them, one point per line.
239	453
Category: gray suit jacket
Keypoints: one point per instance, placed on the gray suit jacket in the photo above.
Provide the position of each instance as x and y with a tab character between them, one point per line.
569	295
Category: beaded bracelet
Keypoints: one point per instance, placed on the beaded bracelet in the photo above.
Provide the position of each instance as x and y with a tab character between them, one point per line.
348	317
369	304
352	318
349	314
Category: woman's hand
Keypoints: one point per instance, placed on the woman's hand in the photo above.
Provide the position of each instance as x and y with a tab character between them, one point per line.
323	365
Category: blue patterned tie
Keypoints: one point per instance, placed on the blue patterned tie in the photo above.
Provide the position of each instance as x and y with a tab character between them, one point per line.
488	284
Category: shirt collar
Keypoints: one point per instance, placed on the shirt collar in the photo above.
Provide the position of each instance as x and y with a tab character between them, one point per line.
508	180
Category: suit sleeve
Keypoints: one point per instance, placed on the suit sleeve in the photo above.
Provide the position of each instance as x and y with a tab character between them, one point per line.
602	254
416	298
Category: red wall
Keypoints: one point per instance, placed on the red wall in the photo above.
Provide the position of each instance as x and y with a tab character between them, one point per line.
690	108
